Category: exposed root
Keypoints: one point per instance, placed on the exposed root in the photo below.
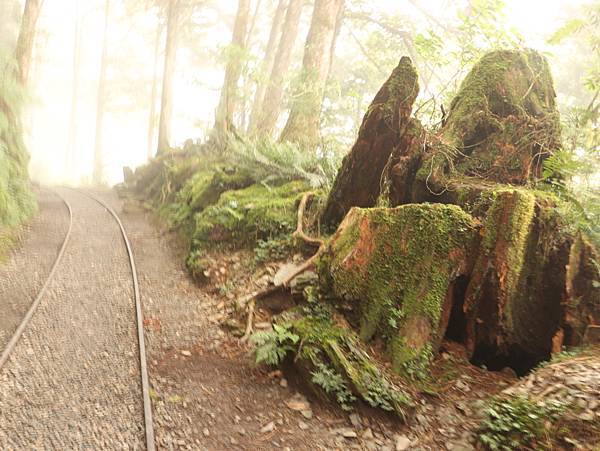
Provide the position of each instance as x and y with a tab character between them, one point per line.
250	301
249	320
299	232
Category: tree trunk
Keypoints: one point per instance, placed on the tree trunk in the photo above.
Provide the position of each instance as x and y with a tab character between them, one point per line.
166	103
26	37
272	103
229	94
74	92
268	63
98	172
339	21
152	109
303	123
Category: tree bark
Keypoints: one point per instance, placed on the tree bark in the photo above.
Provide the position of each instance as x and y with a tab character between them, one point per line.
267	67
166	103
74	92
229	94
152	109
358	182
98	172
302	126
272	103
26	37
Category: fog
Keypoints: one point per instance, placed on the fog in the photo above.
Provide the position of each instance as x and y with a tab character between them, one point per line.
199	72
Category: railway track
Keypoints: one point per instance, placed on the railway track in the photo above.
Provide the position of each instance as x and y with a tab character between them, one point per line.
144	382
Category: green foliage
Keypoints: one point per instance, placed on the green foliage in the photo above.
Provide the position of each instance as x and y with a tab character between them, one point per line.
242	217
517	423
269	161
271	250
272	346
334	384
16	200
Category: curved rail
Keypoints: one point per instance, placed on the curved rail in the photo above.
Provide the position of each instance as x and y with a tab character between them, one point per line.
36	302
140	328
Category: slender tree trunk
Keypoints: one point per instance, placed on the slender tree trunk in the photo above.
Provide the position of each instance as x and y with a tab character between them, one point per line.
268	63
98	172
24	46
74	92
229	94
302	126
152	109
339	21
166	103
271	106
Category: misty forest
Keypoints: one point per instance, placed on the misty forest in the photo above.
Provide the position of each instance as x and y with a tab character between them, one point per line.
300	225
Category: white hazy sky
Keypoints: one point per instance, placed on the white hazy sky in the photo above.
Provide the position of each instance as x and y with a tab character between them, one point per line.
125	134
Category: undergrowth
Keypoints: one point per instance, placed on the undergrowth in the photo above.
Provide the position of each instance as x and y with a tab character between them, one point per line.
518	423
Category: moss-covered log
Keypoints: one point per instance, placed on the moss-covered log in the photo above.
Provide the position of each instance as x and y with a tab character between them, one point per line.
359	179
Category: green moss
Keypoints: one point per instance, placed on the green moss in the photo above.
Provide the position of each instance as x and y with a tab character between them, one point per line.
243	217
202	190
16	200
505	239
325	344
501	124
396	265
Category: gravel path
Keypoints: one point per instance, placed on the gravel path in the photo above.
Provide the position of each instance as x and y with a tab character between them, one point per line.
73	379
207	394
20	280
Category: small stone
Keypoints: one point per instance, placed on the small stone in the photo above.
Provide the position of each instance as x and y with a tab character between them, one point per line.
308	414
269	427
205	432
302	425
402	442
298	403
588	415
368	434
186	353
355	419
347	433
283	383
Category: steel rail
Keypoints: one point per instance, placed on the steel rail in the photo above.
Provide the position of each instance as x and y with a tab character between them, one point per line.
150	445
36	302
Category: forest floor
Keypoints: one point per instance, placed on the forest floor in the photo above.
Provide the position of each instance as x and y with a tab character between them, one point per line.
209	395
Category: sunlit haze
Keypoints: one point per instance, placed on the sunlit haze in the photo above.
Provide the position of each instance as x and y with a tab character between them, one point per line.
197	79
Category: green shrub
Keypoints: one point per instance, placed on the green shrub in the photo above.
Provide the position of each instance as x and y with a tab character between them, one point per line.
517	423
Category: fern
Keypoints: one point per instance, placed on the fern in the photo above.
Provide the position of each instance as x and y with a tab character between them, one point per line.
273	346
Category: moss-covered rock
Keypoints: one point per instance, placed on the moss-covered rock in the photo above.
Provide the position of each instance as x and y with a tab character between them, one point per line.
203	189
242	217
397	268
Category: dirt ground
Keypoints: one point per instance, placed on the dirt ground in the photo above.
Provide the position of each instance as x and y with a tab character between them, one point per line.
208	394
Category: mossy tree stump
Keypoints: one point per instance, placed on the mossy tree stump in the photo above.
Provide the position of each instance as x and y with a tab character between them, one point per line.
499	270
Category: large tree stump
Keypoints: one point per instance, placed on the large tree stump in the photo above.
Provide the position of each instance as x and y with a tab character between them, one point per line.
521	287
